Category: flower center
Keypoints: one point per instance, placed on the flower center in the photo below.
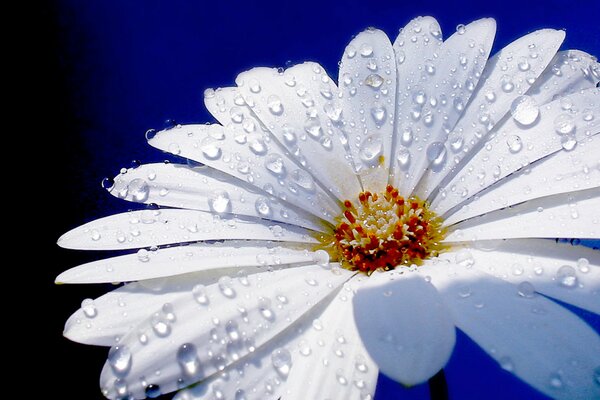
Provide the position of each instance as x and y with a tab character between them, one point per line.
384	231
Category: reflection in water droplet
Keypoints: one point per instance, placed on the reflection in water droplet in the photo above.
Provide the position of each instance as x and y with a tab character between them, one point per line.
274	164
379	114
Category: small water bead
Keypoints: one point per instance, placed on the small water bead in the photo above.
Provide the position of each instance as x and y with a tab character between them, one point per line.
150	134
374	81
152	391
464	292
506	364
526	290
312	126
524	64
340	377
403	157
108	183
436	154
379	114
366	50
303	179
524	110
139	190
461	29
254	86
556	380
232	330
514	144
587	115
199	293
564	124
264	306
371	149
507	84
459	104
225	285
240	395
583	265
209	149
89	308
406	136
187	357
568	142
263	207
282	361
274	164
321	258
429	67
597	375
119	359
219	202
160	326
566	276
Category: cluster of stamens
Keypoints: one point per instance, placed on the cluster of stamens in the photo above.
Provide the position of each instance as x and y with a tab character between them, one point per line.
383	231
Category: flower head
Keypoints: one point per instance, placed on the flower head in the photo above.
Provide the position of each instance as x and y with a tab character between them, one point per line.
325	232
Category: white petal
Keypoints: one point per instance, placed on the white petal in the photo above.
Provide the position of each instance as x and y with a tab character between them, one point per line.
110	317
201	188
252	158
538	261
566	215
239	318
332	360
367	83
404	325
185	259
561	172
534	338
507	75
516	146
327	361
147	228
569	72
437	100
418	41
300	107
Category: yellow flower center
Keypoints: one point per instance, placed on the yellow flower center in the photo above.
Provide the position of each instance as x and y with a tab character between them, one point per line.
384	231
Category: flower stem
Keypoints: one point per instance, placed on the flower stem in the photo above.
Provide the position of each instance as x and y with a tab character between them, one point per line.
438	388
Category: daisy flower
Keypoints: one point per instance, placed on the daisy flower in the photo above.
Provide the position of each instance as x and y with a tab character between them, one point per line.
321	233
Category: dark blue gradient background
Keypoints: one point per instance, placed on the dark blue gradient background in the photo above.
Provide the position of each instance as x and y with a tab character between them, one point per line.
110	69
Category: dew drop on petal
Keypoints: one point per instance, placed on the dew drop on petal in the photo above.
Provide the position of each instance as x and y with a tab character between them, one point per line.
556	381
506	364
461	29
199	293
119	359
108	183
374	81
403	158
379	114
209	149
274	104
219	202
371	149
524	110
187	357
139	190
89	308
568	142
514	144
274	164
240	395
526	290
282	361
226	287
160	326
152	391
321	258
366	50
436	154
583	265
263	207
566	276
564	124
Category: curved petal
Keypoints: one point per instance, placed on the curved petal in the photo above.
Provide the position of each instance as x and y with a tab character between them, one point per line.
507	75
180	260
438	99
251	157
559	270
201	188
404	325
189	340
561	172
107	319
300	108
367	85
534	338
516	146
569	72
333	362
137	229
566	215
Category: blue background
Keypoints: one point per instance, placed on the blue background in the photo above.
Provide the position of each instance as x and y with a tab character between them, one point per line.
107	70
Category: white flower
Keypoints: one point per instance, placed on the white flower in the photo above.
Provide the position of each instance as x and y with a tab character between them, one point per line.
234	286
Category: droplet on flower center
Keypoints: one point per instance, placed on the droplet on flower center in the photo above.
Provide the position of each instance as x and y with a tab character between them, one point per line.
384	231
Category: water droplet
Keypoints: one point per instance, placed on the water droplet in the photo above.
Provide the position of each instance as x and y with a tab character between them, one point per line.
119	359
199	293
232	331
254	86
274	104
226	287
312	126
341	378
139	190
321	258
258	146
524	64
436	154
303	179
506	364
403	158
524	110
240	395
152	391
464	292
264	306
419	97
374	80
555	380
587	115
597	375
461	29
525	289
379	114
274	164
150	134
514	144
143	255
160	326
263	207
366	50
108	183
568	142
406	136
187	357
209	149
282	361
566	276
507	84
564	124
371	149
89	308
219	202
583	265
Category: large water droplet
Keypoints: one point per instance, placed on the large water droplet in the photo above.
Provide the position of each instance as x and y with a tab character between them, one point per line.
274	164
366	50
525	289
568	142
152	391
321	257
282	361
371	150
333	111
263	207
566	276
89	308
403	158
374	81
379	114
564	124
119	359
187	357
219	202
210	149
524	110
312	126
436	154
514	144
160	326
274	104
139	190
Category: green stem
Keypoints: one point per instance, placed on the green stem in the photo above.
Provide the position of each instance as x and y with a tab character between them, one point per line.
438	388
